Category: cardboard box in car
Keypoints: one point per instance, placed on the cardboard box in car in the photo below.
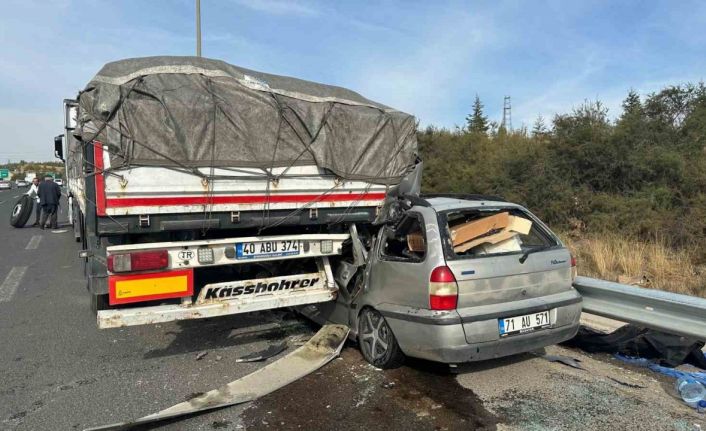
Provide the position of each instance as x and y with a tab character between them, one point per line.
515	225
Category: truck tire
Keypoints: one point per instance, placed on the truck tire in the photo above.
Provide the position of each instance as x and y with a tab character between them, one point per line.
21	211
376	341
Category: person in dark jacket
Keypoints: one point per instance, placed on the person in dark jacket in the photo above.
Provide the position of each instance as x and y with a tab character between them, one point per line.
49	194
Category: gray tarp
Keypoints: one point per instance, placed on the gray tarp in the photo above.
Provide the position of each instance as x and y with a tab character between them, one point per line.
196	112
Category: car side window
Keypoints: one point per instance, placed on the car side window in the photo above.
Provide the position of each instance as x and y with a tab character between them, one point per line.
406	242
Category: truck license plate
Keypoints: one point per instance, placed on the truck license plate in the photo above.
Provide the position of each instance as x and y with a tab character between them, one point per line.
523	324
254	250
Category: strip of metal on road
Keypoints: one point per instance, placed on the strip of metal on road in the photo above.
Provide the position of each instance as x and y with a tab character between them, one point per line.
34	242
12	281
317	352
665	311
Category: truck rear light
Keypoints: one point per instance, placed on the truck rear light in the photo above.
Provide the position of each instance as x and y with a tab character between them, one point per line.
205	255
326	246
443	290
138	261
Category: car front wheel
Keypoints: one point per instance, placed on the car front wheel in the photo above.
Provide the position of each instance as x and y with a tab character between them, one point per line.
377	342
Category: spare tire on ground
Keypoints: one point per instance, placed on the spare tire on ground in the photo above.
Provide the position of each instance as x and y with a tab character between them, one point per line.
21	211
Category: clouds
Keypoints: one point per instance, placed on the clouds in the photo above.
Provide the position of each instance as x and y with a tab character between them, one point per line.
426	58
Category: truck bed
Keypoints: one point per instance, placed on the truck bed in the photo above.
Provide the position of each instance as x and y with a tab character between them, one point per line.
234	198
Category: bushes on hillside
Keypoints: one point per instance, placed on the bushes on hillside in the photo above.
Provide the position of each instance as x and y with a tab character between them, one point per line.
643	174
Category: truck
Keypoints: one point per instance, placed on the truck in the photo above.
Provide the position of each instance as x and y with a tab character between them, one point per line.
200	189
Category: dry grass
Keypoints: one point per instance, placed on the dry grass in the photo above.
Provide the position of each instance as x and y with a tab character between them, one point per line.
648	264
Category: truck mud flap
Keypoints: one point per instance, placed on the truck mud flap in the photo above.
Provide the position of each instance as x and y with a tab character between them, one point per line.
324	346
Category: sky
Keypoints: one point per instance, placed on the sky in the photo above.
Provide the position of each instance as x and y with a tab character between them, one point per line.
426	58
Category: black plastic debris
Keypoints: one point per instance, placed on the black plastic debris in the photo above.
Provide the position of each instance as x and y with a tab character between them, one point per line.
667	349
269	352
629	385
566	360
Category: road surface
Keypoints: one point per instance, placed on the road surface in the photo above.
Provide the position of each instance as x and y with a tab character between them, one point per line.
59	372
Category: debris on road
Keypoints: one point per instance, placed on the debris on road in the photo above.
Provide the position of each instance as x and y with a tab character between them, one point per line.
566	360
351	395
321	348
671	372
630	340
626	384
269	352
201	355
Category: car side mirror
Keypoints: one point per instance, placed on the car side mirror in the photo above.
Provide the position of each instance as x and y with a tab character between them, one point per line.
59	147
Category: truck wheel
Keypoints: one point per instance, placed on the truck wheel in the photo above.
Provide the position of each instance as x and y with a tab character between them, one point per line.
21	211
377	342
99	302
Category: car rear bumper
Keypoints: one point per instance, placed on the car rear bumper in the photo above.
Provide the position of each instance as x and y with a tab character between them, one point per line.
458	336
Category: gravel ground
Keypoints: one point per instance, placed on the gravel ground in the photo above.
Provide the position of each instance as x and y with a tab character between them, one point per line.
528	392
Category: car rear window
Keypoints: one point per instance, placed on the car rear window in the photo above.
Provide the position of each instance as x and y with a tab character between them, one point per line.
470	233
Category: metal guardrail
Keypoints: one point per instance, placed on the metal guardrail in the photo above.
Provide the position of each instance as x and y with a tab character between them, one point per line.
669	312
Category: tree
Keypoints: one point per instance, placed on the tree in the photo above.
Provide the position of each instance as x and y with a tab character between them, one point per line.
632	106
539	129
476	122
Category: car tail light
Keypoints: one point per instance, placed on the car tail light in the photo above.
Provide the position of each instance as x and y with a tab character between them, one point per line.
138	261
443	290
574	271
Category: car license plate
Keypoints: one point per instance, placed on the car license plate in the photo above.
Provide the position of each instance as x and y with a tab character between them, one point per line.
523	324
254	250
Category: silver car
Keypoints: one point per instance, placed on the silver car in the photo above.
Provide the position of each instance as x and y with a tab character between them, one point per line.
459	280
5	185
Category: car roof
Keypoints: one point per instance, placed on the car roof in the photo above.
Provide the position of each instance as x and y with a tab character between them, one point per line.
446	203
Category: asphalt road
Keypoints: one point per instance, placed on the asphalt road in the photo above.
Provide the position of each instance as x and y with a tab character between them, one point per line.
59	372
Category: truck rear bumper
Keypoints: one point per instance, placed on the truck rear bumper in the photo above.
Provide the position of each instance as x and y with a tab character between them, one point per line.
232	297
167	313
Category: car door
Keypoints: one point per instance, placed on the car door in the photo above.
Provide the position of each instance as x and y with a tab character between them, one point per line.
404	256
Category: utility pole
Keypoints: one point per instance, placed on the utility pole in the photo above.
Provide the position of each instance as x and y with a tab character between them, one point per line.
507	115
198	28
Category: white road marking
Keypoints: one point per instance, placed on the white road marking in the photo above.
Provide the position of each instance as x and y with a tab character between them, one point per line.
16	197
12	281
34	242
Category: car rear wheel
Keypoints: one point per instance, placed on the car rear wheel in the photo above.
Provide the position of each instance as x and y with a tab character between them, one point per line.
377	342
21	211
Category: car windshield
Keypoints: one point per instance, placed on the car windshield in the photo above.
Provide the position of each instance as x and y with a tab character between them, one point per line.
469	233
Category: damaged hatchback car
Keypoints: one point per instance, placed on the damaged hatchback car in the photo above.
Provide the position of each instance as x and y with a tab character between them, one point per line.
456	280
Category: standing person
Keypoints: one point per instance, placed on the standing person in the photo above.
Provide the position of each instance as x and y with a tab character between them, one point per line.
34	193
49	194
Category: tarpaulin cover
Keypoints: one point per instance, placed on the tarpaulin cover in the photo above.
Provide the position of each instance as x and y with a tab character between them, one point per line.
196	112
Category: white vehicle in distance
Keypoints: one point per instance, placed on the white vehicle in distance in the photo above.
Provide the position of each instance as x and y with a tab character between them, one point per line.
5	185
